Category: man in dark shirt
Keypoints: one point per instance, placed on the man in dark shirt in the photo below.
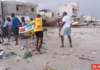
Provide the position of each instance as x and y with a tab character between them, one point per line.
15	27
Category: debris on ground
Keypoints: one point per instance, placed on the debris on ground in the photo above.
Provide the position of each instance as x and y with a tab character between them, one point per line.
11	54
27	54
8	45
41	52
94	52
61	54
71	51
47	68
2	54
54	53
5	68
18	58
88	58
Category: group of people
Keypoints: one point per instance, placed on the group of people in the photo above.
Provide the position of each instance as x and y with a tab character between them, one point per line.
5	29
65	28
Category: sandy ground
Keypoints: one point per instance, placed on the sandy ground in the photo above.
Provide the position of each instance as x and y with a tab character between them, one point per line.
82	46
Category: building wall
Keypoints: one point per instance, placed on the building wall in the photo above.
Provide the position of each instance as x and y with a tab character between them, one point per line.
49	14
73	3
88	18
94	19
72	9
67	9
56	14
19	17
45	10
10	7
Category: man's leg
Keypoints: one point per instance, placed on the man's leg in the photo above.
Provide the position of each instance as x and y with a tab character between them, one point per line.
6	32
37	41
62	41
41	40
16	39
2	39
33	36
8	36
62	36
69	37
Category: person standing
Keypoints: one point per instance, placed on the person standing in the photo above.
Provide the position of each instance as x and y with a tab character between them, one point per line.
5	28
65	29
9	31
1	26
23	22
38	32
15	27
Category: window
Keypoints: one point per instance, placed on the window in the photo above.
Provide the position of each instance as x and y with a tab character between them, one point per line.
19	7
32	9
58	13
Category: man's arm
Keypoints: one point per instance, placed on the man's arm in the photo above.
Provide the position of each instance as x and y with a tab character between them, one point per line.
12	24
61	26
63	19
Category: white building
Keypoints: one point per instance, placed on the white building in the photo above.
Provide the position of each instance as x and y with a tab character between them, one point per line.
93	19
72	9
20	9
43	11
88	18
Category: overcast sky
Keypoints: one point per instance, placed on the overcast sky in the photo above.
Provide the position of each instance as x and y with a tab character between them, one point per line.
86	7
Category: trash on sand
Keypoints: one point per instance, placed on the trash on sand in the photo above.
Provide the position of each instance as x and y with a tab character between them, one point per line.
94	52
5	68
88	58
41	52
61	54
46	68
33	50
22	48
54	53
44	48
46	62
17	58
11	54
28	45
27	54
8	45
71	51
91	58
2	54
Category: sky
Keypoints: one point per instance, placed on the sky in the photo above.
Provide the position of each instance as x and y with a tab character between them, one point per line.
86	7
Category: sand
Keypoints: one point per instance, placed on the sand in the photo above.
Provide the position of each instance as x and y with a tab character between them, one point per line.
82	46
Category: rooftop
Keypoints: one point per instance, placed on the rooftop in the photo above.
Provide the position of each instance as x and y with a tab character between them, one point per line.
19	3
